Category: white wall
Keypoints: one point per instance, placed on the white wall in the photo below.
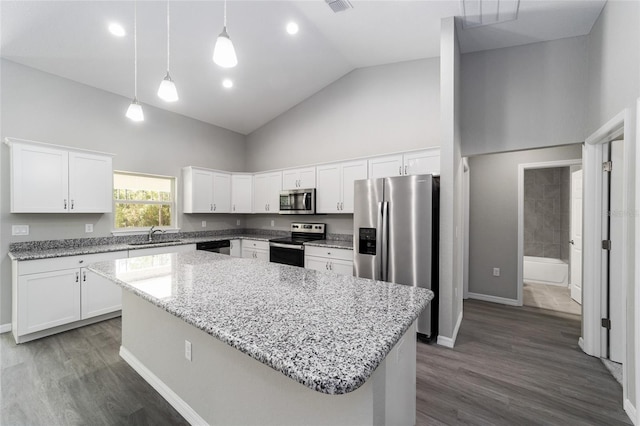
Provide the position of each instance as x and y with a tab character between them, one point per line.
47	108
524	97
373	110
613	85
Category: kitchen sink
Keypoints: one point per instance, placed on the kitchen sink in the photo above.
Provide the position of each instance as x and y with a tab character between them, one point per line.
151	243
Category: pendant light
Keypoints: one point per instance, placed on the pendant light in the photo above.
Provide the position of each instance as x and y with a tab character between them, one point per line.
167	90
224	54
134	112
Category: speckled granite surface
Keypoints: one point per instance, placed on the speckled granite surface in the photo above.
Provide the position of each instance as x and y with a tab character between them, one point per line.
328	332
33	250
338	244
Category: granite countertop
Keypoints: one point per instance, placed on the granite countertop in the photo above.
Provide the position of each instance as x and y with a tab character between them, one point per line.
328	332
53	249
337	244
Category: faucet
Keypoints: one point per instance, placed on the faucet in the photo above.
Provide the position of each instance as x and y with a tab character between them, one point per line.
153	231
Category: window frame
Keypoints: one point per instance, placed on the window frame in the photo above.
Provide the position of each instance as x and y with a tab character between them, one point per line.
173	204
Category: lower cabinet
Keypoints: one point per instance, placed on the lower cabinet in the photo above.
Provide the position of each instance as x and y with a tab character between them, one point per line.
236	248
255	249
49	293
339	261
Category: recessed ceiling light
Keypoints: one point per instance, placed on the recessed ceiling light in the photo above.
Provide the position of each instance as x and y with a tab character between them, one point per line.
116	29
228	83
292	28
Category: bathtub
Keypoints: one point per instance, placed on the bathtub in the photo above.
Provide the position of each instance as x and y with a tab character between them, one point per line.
545	270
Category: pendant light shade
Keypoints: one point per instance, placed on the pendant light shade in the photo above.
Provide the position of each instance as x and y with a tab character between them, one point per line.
224	54
167	90
134	112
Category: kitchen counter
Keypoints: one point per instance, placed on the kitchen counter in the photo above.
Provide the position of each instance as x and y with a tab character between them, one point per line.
327	332
337	244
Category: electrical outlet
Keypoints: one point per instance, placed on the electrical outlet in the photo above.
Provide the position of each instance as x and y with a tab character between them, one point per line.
238	222
273	223
496	272
204	223
20	230
88	227
187	350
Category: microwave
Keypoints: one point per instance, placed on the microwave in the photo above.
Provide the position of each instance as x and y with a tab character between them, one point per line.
298	201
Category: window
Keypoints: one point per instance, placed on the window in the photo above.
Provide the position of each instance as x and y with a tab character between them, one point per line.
143	201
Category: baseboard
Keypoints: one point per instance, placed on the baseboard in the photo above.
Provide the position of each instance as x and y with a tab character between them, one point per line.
5	328
170	396
449	342
631	411
493	299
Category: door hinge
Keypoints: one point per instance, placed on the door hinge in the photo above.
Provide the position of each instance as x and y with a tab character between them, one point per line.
606	166
606	244
606	323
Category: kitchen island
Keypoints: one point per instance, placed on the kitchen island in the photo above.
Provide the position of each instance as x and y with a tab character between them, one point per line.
238	341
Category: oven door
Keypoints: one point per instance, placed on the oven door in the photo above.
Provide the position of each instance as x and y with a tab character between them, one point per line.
287	254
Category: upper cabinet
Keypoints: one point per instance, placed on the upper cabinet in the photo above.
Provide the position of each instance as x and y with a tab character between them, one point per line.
412	163
299	178
241	193
266	192
335	185
51	179
206	191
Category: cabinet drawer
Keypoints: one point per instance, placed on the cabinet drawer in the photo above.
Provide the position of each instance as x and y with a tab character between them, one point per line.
255	244
332	253
68	262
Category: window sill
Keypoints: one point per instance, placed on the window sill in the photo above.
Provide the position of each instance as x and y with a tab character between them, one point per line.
142	231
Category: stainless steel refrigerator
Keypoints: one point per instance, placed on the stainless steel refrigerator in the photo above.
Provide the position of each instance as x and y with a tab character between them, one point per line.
396	224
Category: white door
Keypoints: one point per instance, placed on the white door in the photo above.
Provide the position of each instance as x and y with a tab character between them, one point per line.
307	178
616	235
236	248
342	267
98	295
351	171
290	179
389	165
576	235
40	179
328	191
241	193
202	182
90	183
221	193
422	162
316	263
274	186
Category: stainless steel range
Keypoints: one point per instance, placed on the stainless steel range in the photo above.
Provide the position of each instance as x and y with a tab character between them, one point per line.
290	250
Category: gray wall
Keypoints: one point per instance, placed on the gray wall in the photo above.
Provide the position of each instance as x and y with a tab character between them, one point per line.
546	212
493	227
524	97
614	84
373	110
46	108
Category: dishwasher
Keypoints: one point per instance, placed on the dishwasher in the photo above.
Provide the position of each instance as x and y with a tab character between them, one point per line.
221	246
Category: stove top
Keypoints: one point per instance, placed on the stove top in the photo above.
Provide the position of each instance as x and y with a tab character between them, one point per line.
303	232
291	240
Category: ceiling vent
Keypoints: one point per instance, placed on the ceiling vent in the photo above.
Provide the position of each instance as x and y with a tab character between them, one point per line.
339	5
478	13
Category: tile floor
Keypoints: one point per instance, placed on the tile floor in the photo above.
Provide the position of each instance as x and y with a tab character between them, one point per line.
552	297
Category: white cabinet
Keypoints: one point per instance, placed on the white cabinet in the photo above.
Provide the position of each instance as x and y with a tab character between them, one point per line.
241	193
266	192
50	293
335	260
255	249
182	248
299	178
335	185
50	179
206	191
411	163
236	248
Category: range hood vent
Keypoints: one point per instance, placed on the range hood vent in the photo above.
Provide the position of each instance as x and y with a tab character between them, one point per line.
339	5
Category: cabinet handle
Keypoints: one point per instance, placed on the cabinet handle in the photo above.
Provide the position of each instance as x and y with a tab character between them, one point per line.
400	170
341	205
338	205
268	207
77	276
210	207
72	203
84	276
405	170
231	245
234	207
330	266
214	207
65	203
326	266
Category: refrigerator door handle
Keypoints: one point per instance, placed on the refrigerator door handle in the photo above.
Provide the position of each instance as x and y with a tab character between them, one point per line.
378	261
384	252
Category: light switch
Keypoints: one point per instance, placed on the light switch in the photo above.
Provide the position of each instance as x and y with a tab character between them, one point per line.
20	230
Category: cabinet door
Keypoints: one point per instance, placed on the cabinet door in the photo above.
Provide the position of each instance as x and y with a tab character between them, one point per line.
328	194
351	171
390	165
274	186
98	295
201	192
248	253
241	193
48	299
262	255
422	162
316	263
290	179
342	267
236	248
266	192
221	192
39	179
90	183
307	178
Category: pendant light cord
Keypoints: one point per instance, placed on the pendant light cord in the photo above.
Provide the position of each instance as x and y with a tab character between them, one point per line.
225	14
168	36
135	49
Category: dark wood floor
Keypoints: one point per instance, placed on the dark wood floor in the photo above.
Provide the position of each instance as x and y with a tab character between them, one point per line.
511	366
